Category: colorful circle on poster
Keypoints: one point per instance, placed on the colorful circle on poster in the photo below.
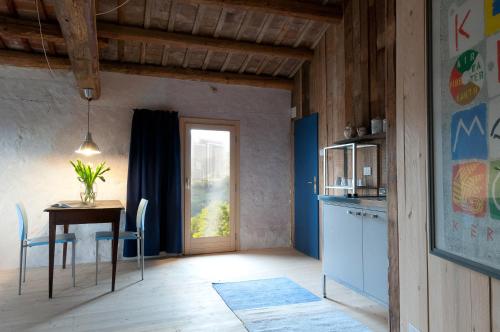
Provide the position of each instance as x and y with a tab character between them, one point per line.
467	76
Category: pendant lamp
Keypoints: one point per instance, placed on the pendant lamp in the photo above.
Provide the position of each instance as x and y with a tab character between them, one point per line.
88	147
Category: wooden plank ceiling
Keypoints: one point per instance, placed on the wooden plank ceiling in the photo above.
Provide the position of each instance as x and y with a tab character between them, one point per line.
253	40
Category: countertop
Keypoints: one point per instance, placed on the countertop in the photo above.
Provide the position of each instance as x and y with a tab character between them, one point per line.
375	202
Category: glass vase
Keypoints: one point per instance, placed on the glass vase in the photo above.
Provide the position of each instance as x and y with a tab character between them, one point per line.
88	194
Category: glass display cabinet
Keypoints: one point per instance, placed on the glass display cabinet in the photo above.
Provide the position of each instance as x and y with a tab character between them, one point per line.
350	168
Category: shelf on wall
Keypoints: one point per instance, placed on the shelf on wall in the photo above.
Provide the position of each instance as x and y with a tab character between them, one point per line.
365	138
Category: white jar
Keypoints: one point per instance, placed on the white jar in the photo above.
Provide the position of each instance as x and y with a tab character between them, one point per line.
376	125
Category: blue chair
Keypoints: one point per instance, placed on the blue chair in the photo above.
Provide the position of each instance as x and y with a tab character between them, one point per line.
36	242
138	235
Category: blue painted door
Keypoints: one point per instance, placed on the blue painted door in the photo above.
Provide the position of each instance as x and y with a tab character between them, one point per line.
306	185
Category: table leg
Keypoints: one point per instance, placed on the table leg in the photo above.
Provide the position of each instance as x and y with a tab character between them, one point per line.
52	246
114	249
65	247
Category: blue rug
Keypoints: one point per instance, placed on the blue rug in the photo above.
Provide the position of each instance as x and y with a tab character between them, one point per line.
280	305
263	293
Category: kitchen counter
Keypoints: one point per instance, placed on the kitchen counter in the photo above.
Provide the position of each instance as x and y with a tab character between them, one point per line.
373	202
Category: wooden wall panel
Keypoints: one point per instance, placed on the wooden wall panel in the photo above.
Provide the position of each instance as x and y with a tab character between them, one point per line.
382	41
335	96
373	65
495	305
458	298
412	163
349	63
392	157
436	295
355	65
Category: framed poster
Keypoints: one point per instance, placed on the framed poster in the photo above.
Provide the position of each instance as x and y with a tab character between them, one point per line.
464	132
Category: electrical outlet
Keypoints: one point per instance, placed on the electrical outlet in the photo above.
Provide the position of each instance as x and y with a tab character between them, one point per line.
367	170
293	112
412	328
321	152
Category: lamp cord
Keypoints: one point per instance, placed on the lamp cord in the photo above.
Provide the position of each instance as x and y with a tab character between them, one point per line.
43	41
88	115
113	9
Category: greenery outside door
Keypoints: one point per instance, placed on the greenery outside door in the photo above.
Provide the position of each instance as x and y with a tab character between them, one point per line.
210	149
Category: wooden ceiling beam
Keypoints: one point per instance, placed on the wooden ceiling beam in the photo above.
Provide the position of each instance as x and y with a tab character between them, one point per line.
181	40
20	28
292	8
198	75
77	21
17	28
30	60
27	29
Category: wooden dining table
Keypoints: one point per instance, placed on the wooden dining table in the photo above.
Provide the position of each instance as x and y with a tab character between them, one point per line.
78	213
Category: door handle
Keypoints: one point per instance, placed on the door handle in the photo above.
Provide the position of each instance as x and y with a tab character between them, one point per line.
314	183
188	183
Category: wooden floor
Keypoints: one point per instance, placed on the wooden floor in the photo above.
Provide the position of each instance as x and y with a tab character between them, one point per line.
176	294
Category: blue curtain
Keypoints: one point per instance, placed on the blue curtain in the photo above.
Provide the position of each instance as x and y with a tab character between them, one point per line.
154	173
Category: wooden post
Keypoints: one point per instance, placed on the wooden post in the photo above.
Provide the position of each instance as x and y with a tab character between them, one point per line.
392	187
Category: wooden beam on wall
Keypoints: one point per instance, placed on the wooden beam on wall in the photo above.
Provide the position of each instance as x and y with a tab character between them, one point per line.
392	171
78	25
18	28
29	60
292	8
349	65
305	76
412	163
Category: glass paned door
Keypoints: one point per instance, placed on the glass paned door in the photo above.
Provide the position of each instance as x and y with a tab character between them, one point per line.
210	187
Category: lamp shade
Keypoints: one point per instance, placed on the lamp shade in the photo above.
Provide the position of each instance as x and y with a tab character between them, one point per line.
88	147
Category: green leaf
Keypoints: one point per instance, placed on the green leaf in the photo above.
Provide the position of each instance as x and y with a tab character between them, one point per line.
87	175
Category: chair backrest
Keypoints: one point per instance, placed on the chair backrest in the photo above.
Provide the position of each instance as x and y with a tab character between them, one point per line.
22	220
141	214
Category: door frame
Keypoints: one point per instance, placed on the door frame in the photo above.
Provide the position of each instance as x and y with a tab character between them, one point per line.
209	122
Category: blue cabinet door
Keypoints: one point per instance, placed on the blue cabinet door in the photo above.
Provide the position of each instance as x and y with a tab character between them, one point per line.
343	245
375	255
306	229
